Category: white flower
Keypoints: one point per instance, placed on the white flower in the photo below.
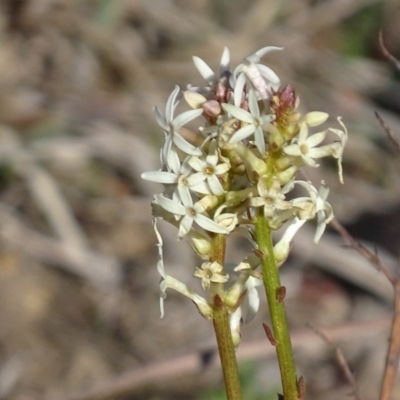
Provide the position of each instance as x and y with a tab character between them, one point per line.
305	147
208	170
315	205
343	135
271	198
261	77
211	272
171	125
174	177
253	119
190	213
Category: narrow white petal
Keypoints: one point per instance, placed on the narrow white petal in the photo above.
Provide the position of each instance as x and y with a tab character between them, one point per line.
212	159
268	74
292	150
235	325
316	139
215	185
321	225
185	146
160	119
197	164
292	230
201	187
253	303
185	226
320	152
169	205
195	179
225	61
323	191
259	140
309	160
160	176
255	57
238	112
172	159
185	117
238	89
209	225
221	168
303	133
242	133
205	71
253	105
172	103
184	195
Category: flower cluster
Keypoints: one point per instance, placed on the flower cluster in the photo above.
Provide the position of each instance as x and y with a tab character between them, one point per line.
248	143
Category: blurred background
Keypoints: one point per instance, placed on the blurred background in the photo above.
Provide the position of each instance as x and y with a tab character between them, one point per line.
79	315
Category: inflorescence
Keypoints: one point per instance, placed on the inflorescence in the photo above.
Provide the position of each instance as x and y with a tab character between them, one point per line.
249	143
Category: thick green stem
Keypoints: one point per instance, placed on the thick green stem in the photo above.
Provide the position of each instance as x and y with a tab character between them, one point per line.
222	330
272	284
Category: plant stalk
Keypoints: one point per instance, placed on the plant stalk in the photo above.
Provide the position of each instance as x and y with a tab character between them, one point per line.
272	284
222	330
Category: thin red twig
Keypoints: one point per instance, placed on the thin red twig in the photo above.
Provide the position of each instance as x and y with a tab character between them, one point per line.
392	358
342	363
386	53
388	131
373	258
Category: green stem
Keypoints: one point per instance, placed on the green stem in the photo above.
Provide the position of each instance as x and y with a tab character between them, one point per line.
272	284
222	330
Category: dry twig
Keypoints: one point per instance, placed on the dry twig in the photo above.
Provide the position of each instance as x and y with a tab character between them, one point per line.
392	358
393	354
386	53
342	363
372	257
388	131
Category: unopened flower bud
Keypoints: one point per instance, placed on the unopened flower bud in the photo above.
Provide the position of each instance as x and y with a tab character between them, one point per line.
238	289
212	108
255	167
234	198
235	322
194	99
287	175
315	118
199	243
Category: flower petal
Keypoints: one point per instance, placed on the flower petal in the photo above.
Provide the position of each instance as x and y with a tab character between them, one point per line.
238	112
225	61
316	139
256	56
205	71
160	177
185	226
242	133
185	117
172	102
209	225
215	185
169	205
